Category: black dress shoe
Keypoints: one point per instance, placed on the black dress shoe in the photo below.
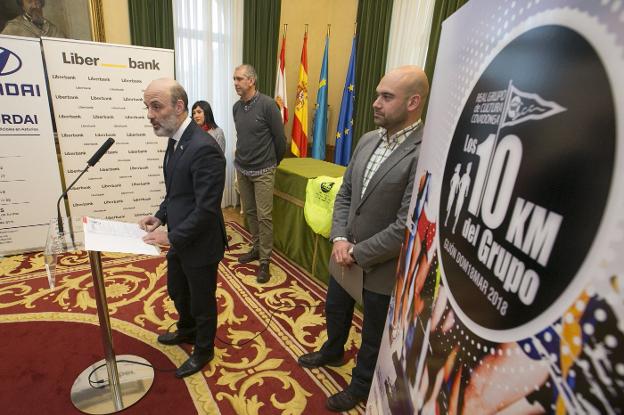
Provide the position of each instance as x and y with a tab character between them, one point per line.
172	338
194	364
263	273
249	256
317	359
343	401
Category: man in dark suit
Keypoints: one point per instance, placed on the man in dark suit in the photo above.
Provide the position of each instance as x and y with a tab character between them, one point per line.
370	214
194	168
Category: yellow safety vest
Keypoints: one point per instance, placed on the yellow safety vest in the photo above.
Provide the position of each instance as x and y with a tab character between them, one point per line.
319	204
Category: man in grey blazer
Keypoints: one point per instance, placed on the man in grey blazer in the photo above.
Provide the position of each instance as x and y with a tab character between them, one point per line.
368	226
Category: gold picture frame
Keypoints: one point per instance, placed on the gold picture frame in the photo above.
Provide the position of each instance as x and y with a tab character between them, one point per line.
98	34
75	19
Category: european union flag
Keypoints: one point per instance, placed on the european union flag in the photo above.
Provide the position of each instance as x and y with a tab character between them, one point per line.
320	118
344	131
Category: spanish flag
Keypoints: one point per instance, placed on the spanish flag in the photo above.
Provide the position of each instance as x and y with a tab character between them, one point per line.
299	145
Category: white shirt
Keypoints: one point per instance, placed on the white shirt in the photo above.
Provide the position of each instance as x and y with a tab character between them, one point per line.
384	149
178	134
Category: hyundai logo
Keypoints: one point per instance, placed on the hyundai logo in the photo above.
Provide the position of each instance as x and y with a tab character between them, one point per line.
9	62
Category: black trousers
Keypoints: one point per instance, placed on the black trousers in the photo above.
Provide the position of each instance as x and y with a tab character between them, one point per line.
339	315
193	291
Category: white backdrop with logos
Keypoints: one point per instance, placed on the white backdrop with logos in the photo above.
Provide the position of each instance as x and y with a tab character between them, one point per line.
29	176
97	92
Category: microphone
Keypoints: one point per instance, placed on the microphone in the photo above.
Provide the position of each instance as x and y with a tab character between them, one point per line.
92	162
98	154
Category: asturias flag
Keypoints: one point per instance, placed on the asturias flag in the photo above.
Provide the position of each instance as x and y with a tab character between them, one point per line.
299	145
320	118
280	82
344	131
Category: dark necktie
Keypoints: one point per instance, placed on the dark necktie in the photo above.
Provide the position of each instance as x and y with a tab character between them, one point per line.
170	150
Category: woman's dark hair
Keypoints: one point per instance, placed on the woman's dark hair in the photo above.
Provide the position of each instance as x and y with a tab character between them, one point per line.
208	116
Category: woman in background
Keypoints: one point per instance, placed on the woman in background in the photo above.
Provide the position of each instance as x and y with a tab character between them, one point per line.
202	114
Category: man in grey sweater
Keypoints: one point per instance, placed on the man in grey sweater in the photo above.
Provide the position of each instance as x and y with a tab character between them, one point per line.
260	146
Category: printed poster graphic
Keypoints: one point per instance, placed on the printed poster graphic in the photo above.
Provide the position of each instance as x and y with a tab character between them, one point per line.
510	284
97	93
30	182
523	225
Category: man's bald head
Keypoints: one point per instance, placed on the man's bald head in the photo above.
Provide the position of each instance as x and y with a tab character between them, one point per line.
173	87
412	80
401	97
416	80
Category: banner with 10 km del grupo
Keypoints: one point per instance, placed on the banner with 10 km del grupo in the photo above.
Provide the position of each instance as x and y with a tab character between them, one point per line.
510	285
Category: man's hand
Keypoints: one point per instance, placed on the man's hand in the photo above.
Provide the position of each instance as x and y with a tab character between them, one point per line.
149	223
340	253
156	238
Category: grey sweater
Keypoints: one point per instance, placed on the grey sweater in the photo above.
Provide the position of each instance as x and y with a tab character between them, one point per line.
261	141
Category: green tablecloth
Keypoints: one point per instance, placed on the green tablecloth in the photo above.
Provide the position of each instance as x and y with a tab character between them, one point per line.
291	233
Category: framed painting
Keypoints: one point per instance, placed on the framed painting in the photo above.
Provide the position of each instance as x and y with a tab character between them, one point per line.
73	19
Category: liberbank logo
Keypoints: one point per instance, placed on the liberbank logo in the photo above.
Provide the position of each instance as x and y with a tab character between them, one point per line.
9	62
526	181
74	58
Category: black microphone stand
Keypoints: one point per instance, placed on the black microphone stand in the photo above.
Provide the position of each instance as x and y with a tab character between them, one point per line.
64	195
90	163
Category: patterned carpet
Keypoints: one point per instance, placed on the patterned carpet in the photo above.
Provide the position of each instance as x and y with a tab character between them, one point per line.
56	335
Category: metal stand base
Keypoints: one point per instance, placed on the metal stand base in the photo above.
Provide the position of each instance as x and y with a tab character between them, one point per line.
134	382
